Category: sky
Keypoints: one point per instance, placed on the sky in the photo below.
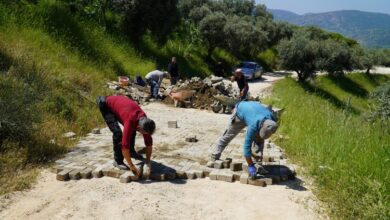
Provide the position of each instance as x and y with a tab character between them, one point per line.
316	6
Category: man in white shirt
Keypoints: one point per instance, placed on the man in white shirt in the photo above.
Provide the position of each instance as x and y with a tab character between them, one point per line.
154	80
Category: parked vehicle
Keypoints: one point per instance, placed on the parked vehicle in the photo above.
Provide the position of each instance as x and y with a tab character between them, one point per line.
251	70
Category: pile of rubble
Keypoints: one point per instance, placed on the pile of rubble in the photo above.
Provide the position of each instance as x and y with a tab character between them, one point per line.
212	93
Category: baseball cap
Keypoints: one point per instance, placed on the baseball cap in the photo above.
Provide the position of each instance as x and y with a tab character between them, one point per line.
268	128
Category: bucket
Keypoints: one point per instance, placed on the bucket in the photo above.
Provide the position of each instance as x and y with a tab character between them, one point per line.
123	80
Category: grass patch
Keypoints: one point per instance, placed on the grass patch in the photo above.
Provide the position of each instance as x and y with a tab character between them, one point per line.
326	131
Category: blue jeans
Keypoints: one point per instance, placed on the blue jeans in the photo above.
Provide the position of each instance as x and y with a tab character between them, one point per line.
154	87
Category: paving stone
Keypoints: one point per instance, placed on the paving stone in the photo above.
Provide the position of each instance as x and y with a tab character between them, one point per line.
268	158
113	172
191	139
63	175
97	173
172	124
125	178
199	174
181	174
210	164
244	178
206	171
236	176
62	162
75	175
96	131
227	162
244	166
225	176
236	166
190	174
213	175
256	182
86	173
268	181
218	164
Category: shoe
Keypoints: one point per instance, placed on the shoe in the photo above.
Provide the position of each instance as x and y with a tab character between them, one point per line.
120	166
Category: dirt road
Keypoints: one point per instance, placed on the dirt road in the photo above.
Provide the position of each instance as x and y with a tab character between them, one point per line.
106	198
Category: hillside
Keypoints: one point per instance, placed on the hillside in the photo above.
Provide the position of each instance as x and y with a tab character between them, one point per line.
370	29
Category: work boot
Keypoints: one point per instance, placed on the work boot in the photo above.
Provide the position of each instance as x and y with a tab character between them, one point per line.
121	166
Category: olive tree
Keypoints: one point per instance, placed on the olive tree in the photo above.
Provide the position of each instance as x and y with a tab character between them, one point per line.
211	31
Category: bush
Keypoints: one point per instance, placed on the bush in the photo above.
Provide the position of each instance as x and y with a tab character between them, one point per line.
381	108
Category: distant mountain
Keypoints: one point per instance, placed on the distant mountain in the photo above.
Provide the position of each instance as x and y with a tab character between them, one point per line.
370	29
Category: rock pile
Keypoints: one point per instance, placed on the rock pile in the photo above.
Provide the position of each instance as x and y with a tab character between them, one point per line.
195	92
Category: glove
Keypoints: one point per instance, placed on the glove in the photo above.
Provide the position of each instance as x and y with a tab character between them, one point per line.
252	170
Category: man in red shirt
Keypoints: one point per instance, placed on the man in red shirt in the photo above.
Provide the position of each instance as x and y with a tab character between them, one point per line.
125	111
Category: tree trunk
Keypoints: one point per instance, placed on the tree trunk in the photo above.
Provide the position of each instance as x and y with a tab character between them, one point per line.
368	71
300	76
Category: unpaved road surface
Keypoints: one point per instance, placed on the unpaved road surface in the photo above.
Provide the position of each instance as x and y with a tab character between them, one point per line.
106	198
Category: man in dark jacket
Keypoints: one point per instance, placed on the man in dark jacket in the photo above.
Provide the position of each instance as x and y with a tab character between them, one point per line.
242	83
125	111
173	71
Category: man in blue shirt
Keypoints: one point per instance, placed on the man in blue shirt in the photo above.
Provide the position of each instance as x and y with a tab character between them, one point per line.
261	125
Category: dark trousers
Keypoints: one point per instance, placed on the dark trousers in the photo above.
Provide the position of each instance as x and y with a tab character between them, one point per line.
174	80
113	124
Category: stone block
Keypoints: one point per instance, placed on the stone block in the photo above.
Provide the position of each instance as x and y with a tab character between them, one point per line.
210	164
268	158
112	172
199	174
244	178
213	175
236	176
218	164
75	175
63	175
86	173
227	162
268	181
236	166
96	131
257	182
190	174
97	173
172	124
207	172
225	176
245	167
125	178
181	174
191	139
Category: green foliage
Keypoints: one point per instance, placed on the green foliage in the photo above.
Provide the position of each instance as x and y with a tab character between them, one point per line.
381	108
338	147
158	17
211	28
299	54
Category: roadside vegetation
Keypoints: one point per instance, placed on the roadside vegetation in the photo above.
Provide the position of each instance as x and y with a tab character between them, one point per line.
56	56
329	129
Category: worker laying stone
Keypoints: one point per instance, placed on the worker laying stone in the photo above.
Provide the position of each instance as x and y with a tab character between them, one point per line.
125	111
261	125
154	80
